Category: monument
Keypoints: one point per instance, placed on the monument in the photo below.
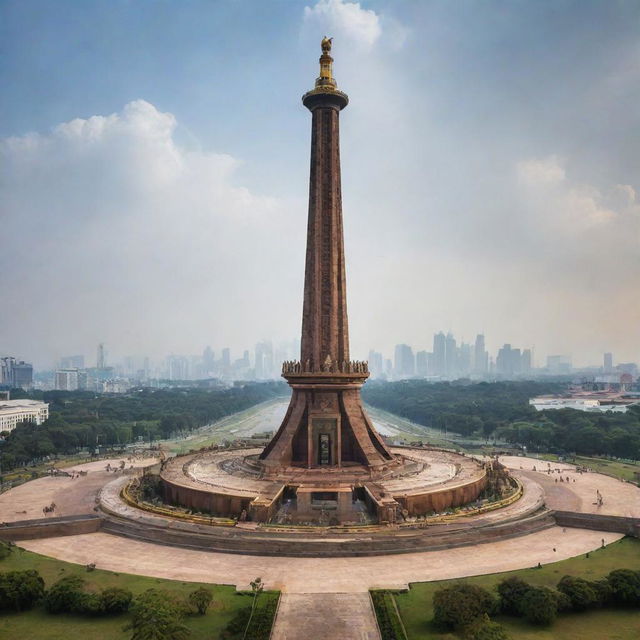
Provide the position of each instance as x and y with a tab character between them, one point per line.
326	424
326	464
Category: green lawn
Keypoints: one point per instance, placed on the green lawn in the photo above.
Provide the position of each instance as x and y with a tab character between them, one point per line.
38	625
607	624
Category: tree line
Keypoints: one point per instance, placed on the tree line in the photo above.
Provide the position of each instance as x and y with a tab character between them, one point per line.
502	409
81	419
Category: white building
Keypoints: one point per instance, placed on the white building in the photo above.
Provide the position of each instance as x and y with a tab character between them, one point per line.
13	412
66	380
581	404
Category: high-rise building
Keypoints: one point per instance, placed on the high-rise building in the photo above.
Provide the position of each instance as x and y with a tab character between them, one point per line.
422	363
226	358
464	359
264	361
451	356
15	373
404	361
480	356
526	362
66	380
504	366
608	362
439	354
376	365
101	360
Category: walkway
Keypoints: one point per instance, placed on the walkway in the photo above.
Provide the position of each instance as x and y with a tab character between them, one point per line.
330	616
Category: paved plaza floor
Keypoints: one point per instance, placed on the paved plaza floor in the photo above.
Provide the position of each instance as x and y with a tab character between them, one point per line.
318	586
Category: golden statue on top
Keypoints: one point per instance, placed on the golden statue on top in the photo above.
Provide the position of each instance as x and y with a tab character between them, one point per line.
326	44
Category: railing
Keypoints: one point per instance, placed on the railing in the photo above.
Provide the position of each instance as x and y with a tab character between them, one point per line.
328	366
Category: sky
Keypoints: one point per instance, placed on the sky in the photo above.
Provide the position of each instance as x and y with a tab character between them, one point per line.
155	162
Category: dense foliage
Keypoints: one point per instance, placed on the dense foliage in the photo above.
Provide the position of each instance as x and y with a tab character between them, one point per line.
502	409
156	615
387	616
79	419
460	605
200	599
20	590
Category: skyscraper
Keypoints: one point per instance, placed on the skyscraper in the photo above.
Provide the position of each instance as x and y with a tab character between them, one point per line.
101	361
422	363
404	361
439	354
480	356
451	356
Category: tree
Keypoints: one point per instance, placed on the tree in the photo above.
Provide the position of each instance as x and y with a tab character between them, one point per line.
115	599
256	588
200	599
66	596
157	616
580	592
625	587
20	590
458	605
512	591
540	606
485	629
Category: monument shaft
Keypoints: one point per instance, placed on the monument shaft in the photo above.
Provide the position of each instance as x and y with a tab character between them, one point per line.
325	424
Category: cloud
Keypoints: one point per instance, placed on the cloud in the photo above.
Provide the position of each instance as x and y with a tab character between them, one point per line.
346	20
562	204
123	236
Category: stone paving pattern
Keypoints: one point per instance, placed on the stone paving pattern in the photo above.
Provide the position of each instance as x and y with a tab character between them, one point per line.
330	616
312	576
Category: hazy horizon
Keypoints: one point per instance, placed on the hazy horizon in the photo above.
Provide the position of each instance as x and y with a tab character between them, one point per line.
155	171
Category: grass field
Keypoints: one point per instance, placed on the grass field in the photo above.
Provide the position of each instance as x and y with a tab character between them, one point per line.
607	624
39	625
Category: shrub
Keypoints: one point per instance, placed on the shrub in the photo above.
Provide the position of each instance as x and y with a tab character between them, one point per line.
388	621
540	606
91	604
156	614
66	596
603	591
625	587
485	629
459	605
200	599
580	592
20	590
512	591
5	549
115	599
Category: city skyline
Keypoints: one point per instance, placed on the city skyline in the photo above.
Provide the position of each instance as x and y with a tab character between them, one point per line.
145	196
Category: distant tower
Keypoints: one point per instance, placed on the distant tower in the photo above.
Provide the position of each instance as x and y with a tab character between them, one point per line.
326	424
608	362
481	357
439	354
100	360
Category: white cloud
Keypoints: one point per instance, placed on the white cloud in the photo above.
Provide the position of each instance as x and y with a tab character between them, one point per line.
346	20
125	237
541	171
560	203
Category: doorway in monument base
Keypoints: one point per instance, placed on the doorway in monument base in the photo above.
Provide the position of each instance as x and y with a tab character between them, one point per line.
324	441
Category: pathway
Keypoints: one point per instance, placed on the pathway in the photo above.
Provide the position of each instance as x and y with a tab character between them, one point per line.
330	616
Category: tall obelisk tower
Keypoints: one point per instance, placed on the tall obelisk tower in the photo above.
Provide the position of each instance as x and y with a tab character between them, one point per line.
325	425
